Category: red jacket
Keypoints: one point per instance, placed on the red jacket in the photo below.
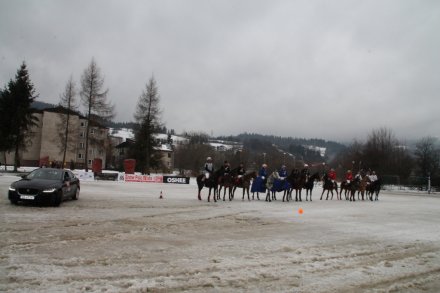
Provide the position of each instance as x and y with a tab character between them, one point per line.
332	175
349	176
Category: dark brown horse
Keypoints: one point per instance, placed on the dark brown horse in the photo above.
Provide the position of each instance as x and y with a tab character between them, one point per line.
373	189
211	183
329	185
310	183
350	188
245	183
297	181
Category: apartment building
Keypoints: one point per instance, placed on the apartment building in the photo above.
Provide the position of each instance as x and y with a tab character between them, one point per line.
46	146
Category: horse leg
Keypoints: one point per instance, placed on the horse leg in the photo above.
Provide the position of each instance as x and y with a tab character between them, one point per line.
322	193
268	196
200	193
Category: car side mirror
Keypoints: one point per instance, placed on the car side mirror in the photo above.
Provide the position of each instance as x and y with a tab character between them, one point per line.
24	176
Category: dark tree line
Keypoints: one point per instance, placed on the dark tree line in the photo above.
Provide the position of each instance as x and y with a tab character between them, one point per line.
386	155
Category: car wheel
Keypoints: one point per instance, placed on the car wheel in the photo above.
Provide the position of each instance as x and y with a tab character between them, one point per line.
57	198
76	195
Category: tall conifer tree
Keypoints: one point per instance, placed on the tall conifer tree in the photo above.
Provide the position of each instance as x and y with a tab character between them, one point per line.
147	118
17	113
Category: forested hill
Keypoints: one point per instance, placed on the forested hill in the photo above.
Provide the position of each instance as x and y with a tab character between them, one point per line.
41	105
289	143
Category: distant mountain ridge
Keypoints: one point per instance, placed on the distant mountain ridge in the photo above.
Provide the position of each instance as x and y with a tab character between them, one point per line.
42	105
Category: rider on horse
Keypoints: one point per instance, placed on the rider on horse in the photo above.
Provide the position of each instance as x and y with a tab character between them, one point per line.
240	171
259	184
209	168
348	176
305	171
332	176
225	169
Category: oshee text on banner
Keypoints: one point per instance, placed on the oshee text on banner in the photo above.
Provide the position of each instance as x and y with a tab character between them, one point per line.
176	179
143	178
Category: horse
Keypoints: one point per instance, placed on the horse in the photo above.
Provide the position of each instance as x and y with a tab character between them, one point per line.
362	187
276	184
310	183
352	187
346	188
245	183
226	182
297	181
373	189
329	185
211	183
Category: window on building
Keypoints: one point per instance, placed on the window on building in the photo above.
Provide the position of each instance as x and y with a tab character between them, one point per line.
90	162
80	156
92	131
82	145
83	124
82	134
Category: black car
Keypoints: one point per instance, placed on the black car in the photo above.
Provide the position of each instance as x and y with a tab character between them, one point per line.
45	185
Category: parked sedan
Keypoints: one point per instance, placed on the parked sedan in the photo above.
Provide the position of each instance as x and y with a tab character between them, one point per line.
45	185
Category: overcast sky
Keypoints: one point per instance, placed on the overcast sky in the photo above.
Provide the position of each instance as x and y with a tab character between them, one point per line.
315	69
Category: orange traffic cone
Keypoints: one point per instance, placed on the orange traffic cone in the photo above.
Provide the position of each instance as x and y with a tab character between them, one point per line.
161	194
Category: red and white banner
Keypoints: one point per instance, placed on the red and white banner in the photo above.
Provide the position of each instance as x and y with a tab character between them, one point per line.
143	178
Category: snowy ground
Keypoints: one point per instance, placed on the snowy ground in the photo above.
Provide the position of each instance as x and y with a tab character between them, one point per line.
120	237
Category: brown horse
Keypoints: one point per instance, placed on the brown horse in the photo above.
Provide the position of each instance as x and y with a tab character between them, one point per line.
245	183
363	187
226	182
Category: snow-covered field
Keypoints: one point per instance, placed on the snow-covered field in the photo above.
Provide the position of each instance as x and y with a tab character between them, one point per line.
120	237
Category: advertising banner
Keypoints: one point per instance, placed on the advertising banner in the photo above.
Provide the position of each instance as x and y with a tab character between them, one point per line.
143	178
176	179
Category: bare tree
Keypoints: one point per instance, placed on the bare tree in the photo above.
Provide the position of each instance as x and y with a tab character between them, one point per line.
69	105
428	156
94	100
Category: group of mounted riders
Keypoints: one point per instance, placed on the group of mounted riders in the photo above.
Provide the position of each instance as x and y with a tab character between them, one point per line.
365	183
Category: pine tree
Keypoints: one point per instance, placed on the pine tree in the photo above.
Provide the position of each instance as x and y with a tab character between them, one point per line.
17	113
147	118
94	99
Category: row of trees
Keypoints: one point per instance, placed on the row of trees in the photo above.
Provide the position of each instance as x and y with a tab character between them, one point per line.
385	154
17	119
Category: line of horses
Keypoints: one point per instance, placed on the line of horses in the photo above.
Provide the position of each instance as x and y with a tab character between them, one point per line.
296	181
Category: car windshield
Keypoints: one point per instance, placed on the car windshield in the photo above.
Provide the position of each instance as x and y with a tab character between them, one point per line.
49	174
